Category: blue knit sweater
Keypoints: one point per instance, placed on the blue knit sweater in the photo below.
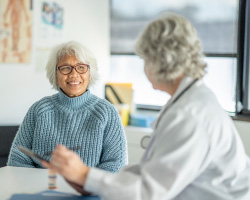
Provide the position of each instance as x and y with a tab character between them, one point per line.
86	121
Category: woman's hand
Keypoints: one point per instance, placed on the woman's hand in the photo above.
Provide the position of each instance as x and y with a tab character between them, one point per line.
68	164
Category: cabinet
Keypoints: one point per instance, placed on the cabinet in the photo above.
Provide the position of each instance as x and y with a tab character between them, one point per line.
136	138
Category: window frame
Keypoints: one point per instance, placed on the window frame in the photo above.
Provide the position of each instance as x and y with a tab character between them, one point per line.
243	60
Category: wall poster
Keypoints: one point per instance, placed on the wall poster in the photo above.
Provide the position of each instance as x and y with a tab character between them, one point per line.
51	30
15	31
51	23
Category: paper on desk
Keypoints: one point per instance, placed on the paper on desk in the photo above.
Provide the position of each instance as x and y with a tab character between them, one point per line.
51	195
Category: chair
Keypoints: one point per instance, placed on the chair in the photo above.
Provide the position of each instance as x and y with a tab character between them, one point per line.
7	134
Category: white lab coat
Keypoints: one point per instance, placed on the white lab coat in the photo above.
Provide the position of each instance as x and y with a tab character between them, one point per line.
196	154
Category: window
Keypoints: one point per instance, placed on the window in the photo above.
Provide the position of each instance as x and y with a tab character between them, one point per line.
221	78
216	29
130	69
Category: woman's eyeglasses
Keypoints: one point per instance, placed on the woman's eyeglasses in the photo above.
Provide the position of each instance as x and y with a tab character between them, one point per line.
67	69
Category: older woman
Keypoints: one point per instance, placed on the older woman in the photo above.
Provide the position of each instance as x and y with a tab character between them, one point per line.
195	152
73	117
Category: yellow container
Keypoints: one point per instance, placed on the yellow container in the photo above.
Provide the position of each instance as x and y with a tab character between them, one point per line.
123	110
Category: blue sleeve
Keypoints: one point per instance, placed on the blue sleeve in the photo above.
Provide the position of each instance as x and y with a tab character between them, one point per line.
114	152
24	137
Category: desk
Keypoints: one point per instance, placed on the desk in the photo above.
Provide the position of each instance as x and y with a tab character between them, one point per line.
16	180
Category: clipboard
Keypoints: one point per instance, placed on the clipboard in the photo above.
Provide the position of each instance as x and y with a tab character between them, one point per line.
31	154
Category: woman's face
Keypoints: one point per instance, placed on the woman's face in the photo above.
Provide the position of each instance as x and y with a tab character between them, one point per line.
73	84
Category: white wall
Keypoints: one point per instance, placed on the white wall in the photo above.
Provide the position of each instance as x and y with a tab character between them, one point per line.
86	21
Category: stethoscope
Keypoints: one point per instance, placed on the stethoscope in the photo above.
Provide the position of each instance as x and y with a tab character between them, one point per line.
147	138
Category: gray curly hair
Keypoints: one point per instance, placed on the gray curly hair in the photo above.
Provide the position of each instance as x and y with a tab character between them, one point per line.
171	45
69	49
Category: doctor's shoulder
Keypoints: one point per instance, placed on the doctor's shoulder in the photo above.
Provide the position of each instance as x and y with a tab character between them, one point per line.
198	104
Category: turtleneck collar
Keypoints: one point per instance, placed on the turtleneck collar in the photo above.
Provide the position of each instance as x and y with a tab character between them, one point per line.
73	102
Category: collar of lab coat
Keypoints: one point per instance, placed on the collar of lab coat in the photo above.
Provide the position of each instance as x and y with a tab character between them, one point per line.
182	86
185	82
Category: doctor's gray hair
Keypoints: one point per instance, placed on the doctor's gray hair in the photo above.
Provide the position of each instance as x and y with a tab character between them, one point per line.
69	49
171	46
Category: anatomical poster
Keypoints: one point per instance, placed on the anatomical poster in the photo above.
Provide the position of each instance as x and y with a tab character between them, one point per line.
15	31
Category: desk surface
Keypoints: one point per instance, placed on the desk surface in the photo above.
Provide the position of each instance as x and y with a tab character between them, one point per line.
14	180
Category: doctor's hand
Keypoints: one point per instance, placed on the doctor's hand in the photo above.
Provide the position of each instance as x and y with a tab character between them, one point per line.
68	164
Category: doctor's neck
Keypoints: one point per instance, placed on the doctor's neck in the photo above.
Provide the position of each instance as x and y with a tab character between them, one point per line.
171	88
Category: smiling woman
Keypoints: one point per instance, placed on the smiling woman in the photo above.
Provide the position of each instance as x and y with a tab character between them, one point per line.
72	117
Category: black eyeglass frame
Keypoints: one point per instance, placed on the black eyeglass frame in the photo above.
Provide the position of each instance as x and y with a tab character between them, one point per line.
73	67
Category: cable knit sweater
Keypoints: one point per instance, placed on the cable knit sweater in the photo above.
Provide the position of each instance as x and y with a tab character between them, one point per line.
86	121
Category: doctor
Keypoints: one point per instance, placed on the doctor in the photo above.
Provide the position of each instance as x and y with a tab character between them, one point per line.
195	152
